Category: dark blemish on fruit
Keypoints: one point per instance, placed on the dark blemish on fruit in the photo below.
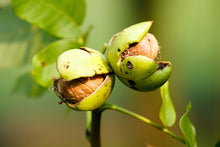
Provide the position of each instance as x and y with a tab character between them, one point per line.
83	48
67	66
162	65
120	69
100	69
131	82
119	50
129	65
126	72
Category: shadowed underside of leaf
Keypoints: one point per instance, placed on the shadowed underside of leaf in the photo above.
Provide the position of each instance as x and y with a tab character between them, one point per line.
188	129
60	18
45	61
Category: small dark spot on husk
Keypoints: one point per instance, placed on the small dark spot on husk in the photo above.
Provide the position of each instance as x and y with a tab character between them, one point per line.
119	50
84	49
126	72
131	82
162	65
129	65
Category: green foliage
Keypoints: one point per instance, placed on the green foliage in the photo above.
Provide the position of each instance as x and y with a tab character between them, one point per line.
188	129
44	62
167	111
19	39
60	18
4	3
26	84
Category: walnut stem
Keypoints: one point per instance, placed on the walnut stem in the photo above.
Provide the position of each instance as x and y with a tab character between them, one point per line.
96	122
95	128
143	119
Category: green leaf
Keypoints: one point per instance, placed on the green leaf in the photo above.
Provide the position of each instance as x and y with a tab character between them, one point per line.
4	3
19	41
188	129
60	18
26	84
44	62
167	111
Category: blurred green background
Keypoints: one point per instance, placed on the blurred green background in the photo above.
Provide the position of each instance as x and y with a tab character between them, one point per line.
188	32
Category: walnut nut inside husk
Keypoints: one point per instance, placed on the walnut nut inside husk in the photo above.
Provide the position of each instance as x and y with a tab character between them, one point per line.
132	54
148	47
88	94
86	79
76	90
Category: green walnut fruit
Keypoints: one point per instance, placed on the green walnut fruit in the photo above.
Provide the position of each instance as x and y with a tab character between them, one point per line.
132	53
86	79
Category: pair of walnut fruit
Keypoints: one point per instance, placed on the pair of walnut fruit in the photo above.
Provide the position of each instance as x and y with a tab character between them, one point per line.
87	76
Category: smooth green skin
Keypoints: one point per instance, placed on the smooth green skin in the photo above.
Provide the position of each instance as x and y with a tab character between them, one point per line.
152	82
142	67
83	62
98	97
143	75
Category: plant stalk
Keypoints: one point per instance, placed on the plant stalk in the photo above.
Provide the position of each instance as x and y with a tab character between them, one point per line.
88	125
144	119
95	128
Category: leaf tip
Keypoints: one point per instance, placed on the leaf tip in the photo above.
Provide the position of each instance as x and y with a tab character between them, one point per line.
188	107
